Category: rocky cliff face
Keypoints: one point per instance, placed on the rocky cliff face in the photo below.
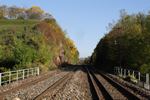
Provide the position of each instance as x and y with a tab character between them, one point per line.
34	43
62	46
33	40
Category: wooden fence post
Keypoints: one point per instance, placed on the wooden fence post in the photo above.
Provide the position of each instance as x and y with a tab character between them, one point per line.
128	72
124	73
28	73
38	71
139	76
23	74
10	77
147	79
17	76
146	85
118	71
133	73
121	72
32	72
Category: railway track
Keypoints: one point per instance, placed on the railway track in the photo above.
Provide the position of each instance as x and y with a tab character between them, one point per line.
54	84
51	91
98	90
137	90
128	94
104	88
24	85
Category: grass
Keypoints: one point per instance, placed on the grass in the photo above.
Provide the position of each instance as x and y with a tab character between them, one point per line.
16	24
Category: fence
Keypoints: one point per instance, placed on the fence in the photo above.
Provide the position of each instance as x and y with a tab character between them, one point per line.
143	80
11	76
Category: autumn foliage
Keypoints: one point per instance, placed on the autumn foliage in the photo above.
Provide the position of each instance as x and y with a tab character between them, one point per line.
32	42
14	12
127	44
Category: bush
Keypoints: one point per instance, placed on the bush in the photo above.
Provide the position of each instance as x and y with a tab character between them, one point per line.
34	44
145	68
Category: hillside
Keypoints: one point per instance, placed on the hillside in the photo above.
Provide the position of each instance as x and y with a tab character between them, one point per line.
16	24
126	45
28	43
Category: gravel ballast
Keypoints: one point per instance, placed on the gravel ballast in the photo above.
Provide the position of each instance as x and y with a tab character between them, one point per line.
76	89
33	90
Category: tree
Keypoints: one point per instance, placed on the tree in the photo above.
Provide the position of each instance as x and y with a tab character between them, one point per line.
127	44
3	11
34	12
12	12
47	16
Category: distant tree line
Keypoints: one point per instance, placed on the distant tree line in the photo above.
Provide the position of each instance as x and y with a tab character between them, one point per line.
14	12
127	44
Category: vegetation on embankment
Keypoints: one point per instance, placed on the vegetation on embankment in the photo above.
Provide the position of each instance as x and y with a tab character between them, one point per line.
34	42
127	44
